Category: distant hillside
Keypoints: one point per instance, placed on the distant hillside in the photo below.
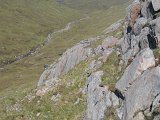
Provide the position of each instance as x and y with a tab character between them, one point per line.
91	5
25	23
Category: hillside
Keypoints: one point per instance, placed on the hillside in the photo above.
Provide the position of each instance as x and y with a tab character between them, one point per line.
24	24
18	82
91	5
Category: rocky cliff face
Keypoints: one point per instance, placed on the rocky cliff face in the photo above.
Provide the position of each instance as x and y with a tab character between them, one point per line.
136	94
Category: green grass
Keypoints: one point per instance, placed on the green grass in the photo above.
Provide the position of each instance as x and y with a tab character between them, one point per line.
91	5
64	109
157	53
112	73
20	78
26	23
29	69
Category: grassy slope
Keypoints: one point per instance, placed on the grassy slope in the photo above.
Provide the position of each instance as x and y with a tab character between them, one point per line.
29	69
21	77
25	23
91	5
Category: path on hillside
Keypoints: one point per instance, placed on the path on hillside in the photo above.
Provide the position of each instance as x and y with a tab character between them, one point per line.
45	42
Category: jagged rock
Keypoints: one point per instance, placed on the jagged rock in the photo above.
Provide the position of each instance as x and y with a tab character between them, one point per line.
125	44
115	100
134	12
140	42
148	114
139	116
143	39
143	91
109	42
98	50
98	98
140	23
156	5
137	43
68	60
119	113
127	56
156	22
119	41
157	117
156	105
143	61
114	26
145	11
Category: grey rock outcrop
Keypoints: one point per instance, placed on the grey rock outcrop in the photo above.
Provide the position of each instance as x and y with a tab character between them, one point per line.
156	5
157	117
142	93
156	104
145	9
144	60
140	23
99	98
139	116
156	23
68	60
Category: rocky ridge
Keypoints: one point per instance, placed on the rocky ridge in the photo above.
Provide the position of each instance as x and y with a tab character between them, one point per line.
136	95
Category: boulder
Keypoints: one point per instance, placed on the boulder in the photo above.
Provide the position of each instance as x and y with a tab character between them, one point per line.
156	5
135	12
99	98
142	93
139	116
145	10
138	26
156	22
143	39
65	63
125	44
156	105
135	44
119	113
144	60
